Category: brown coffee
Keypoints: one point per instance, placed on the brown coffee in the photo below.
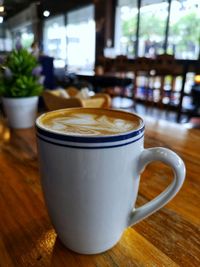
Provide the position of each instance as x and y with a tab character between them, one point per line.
90	122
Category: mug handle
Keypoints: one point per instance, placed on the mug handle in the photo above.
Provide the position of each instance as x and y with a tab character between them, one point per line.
170	158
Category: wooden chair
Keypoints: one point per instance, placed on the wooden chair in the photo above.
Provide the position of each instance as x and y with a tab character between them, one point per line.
54	101
120	67
104	63
120	64
143	76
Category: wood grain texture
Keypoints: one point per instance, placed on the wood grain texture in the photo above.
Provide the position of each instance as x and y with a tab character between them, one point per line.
170	237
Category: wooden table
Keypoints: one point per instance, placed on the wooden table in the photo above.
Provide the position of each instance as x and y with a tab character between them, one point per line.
170	237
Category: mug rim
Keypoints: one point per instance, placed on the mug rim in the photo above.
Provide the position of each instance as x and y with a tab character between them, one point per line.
49	133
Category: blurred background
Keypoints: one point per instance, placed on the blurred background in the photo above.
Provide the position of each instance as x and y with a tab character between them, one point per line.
108	36
76	32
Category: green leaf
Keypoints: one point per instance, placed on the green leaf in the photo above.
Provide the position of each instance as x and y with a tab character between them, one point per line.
23	83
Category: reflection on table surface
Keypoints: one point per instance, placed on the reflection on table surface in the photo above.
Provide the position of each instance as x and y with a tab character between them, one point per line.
169	237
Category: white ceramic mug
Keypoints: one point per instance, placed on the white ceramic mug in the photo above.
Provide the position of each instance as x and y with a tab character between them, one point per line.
91	184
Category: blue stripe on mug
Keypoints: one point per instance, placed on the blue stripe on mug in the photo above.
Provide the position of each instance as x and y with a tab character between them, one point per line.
89	147
89	139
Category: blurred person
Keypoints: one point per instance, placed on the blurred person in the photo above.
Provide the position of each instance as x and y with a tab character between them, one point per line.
35	50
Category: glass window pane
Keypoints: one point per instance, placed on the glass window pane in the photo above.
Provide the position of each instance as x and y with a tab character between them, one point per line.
81	39
24	34
125	27
184	32
153	19
55	40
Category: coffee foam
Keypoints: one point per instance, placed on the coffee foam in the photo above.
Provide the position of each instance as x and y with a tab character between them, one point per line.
90	123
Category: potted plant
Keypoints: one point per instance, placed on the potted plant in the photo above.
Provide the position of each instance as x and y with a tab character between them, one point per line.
20	87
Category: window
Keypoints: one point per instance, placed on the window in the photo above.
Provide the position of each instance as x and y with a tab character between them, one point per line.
55	40
183	38
81	39
72	44
24	34
153	19
184	33
125	28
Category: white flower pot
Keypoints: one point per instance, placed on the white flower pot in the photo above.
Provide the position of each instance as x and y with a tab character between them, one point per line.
21	112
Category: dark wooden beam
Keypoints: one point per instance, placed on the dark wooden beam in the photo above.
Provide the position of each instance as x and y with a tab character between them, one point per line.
137	29
105	20
165	44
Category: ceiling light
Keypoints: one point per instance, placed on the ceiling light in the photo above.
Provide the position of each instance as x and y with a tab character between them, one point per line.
1	19
1	8
46	13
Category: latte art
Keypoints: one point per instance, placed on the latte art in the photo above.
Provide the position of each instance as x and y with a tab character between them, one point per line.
92	123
